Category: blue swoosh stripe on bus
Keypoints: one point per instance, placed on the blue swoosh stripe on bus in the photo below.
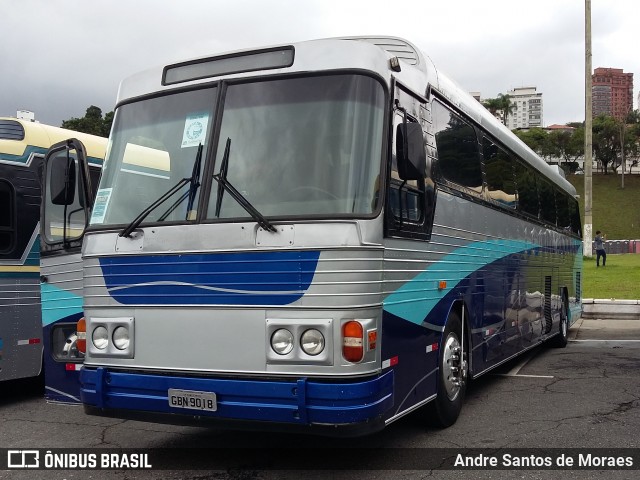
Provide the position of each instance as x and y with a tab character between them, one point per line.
415	299
24	158
58	303
248	278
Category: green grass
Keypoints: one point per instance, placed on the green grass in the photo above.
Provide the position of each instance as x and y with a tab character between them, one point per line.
614	210
620	279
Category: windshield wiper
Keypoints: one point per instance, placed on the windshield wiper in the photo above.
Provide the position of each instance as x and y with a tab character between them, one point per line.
191	193
195	183
223	184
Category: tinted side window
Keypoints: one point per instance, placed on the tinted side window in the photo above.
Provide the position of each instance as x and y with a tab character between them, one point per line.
458	158
499	173
7	217
527	189
563	205
574	212
547	202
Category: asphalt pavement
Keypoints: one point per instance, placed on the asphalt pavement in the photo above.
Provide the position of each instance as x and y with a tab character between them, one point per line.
584	397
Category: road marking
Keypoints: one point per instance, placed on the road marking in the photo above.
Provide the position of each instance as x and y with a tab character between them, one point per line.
599	343
514	372
610	340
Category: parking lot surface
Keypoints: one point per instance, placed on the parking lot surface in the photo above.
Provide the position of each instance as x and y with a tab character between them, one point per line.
584	396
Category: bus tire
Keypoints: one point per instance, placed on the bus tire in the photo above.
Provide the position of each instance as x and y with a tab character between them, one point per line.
562	338
452	376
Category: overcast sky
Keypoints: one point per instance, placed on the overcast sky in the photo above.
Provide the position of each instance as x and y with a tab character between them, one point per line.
60	56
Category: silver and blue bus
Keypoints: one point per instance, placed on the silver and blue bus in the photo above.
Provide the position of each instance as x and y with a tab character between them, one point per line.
322	236
61	265
35	327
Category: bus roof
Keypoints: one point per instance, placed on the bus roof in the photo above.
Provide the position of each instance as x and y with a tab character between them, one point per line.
370	53
26	137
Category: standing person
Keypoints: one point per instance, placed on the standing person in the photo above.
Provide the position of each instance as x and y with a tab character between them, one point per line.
600	252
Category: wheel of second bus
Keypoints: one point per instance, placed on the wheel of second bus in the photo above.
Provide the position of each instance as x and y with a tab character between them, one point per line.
452	376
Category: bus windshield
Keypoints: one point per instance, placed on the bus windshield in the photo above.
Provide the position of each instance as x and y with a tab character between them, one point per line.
297	147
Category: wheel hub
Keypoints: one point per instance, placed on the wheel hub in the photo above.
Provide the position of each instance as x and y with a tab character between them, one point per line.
454	367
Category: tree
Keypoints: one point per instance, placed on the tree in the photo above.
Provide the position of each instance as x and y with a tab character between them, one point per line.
567	147
632	141
92	122
563	145
536	139
506	106
606	141
502	103
492	104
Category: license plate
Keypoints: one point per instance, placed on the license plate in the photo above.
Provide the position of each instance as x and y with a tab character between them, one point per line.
192	400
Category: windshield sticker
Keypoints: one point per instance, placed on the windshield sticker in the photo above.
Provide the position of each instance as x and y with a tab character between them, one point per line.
100	205
195	129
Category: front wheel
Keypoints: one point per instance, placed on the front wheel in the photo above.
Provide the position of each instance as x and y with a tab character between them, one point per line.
452	375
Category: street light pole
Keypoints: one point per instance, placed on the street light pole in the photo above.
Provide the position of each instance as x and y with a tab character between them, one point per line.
588	139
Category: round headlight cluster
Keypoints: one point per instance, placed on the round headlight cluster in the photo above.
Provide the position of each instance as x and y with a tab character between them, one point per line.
120	337
312	342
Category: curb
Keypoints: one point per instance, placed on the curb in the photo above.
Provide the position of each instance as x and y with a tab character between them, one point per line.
610	309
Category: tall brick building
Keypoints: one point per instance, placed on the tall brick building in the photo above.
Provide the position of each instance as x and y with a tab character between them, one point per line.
612	92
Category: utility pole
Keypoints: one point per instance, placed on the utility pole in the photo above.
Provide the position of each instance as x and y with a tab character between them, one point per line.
623	131
587	228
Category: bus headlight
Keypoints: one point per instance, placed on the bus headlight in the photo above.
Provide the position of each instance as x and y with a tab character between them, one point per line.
100	337
282	341
121	338
312	342
110	337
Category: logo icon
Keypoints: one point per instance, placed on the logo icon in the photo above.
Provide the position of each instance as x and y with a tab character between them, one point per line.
23	459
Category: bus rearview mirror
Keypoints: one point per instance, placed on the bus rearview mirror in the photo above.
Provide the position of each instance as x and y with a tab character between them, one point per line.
62	179
410	152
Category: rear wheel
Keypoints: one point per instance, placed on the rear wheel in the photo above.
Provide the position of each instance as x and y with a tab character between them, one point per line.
452	375
561	340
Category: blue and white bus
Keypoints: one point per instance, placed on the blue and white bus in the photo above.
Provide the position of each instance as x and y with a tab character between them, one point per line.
31	334
324	235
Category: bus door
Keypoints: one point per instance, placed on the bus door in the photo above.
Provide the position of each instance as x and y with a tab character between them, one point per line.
66	203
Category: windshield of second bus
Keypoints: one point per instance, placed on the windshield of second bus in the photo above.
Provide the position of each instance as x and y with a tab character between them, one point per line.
298	147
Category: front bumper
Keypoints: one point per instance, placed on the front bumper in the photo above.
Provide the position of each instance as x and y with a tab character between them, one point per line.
297	402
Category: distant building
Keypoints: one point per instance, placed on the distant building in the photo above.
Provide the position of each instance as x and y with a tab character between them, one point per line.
612	92
527	108
562	128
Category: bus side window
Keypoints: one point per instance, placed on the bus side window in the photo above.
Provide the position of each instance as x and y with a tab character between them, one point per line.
547	203
574	213
499	174
7	217
527	190
563	205
457	144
